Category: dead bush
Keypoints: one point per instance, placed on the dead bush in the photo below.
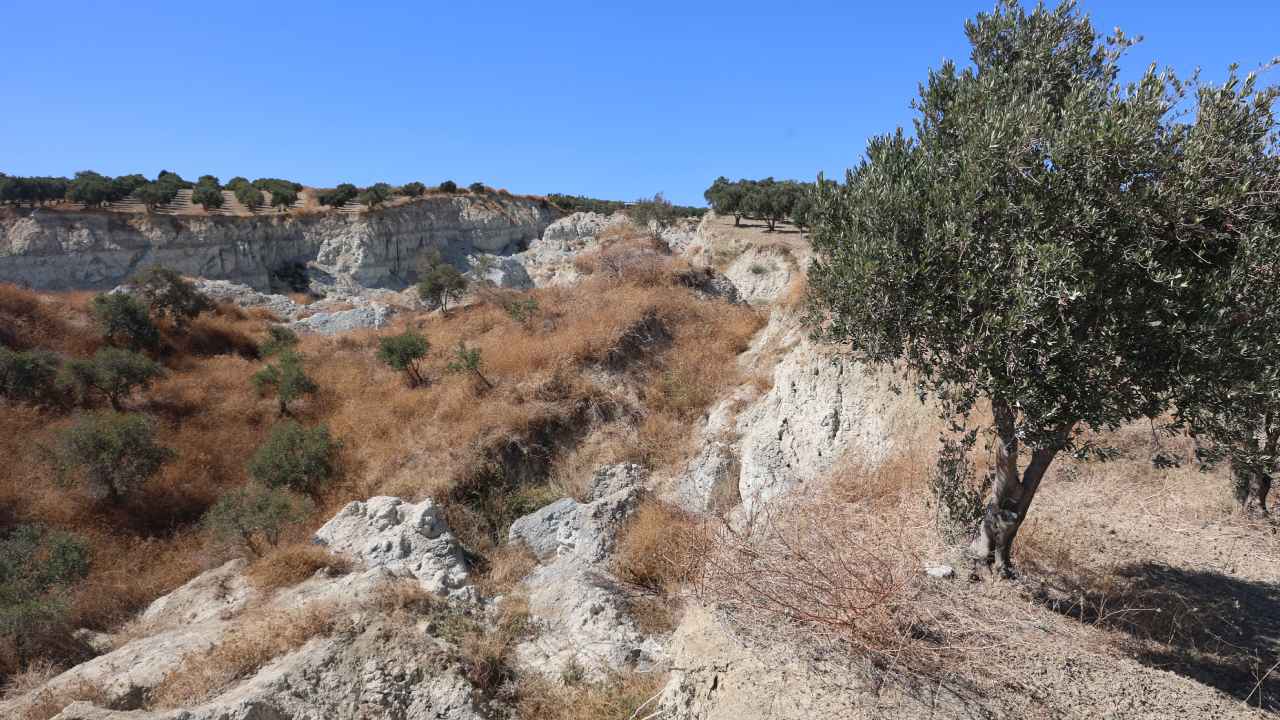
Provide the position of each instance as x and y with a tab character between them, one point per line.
291	564
840	571
660	549
48	703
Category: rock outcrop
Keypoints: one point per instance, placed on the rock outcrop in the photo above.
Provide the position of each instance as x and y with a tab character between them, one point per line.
549	259
402	538
580	613
53	249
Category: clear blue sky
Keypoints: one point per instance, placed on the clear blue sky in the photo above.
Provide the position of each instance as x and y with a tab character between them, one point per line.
613	102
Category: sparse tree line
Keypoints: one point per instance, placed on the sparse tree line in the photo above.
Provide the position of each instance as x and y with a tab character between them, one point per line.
767	200
1074	255
579	203
96	190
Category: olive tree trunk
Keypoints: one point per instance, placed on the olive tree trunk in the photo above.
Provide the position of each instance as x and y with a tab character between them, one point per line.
1011	491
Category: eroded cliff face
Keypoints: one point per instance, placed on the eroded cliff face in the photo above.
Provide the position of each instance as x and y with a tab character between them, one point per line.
58	250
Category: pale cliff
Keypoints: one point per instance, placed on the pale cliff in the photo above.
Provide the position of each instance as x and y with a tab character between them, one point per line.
54	249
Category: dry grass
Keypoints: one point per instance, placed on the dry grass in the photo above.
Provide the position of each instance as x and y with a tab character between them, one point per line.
600	381
623	696
505	567
253	643
289	565
48	703
660	549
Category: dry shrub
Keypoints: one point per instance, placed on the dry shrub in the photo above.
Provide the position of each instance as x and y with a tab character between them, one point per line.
486	653
209	335
35	675
660	549
838	570
254	642
48	703
58	322
289	565
505	567
622	696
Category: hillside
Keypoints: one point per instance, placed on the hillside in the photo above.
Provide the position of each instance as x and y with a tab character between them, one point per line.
659	499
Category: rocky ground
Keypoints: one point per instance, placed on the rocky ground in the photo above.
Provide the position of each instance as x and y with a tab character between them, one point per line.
1142	595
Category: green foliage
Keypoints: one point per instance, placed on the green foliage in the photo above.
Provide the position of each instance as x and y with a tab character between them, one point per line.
246	194
448	186
286	378
253	516
295	457
154	194
113	372
279	339
469	360
522	310
29	377
172	179
653	215
92	189
207	193
477	188
413	189
111	452
375	195
37	568
957	498
169	295
283	192
1229	381
768	199
438	281
1047	239
405	352
124	320
339	196
270	184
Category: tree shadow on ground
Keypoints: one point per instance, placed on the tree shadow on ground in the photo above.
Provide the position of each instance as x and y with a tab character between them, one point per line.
1218	630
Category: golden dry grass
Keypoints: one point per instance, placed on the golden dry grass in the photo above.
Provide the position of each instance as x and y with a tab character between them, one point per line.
254	642
289	565
623	696
603	381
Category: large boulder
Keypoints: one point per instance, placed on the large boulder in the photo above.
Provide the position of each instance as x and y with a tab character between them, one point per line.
405	539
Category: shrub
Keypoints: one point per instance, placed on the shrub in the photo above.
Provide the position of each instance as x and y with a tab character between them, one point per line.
207	193
521	310
339	196
279	338
252	517
653	215
124	321
413	189
468	360
157	193
404	352
169	295
37	566
448	186
295	457
248	195
287	378
111	452
114	372
439	281
375	195
29	377
477	187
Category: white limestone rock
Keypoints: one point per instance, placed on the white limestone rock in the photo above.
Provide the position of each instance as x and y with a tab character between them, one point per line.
406	539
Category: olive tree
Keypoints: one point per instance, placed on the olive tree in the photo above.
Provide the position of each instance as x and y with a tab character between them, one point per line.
125	321
1032	245
286	378
111	452
438	281
653	215
404	352
253	517
169	295
38	566
1229	391
296	457
114	372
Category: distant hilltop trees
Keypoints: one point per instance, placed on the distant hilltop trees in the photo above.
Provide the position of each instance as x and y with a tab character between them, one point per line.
95	190
579	203
768	200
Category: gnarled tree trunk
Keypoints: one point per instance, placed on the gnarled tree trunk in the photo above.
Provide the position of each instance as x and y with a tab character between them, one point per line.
1012	491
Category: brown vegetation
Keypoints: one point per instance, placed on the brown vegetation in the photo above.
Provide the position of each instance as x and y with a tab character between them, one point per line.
289	565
